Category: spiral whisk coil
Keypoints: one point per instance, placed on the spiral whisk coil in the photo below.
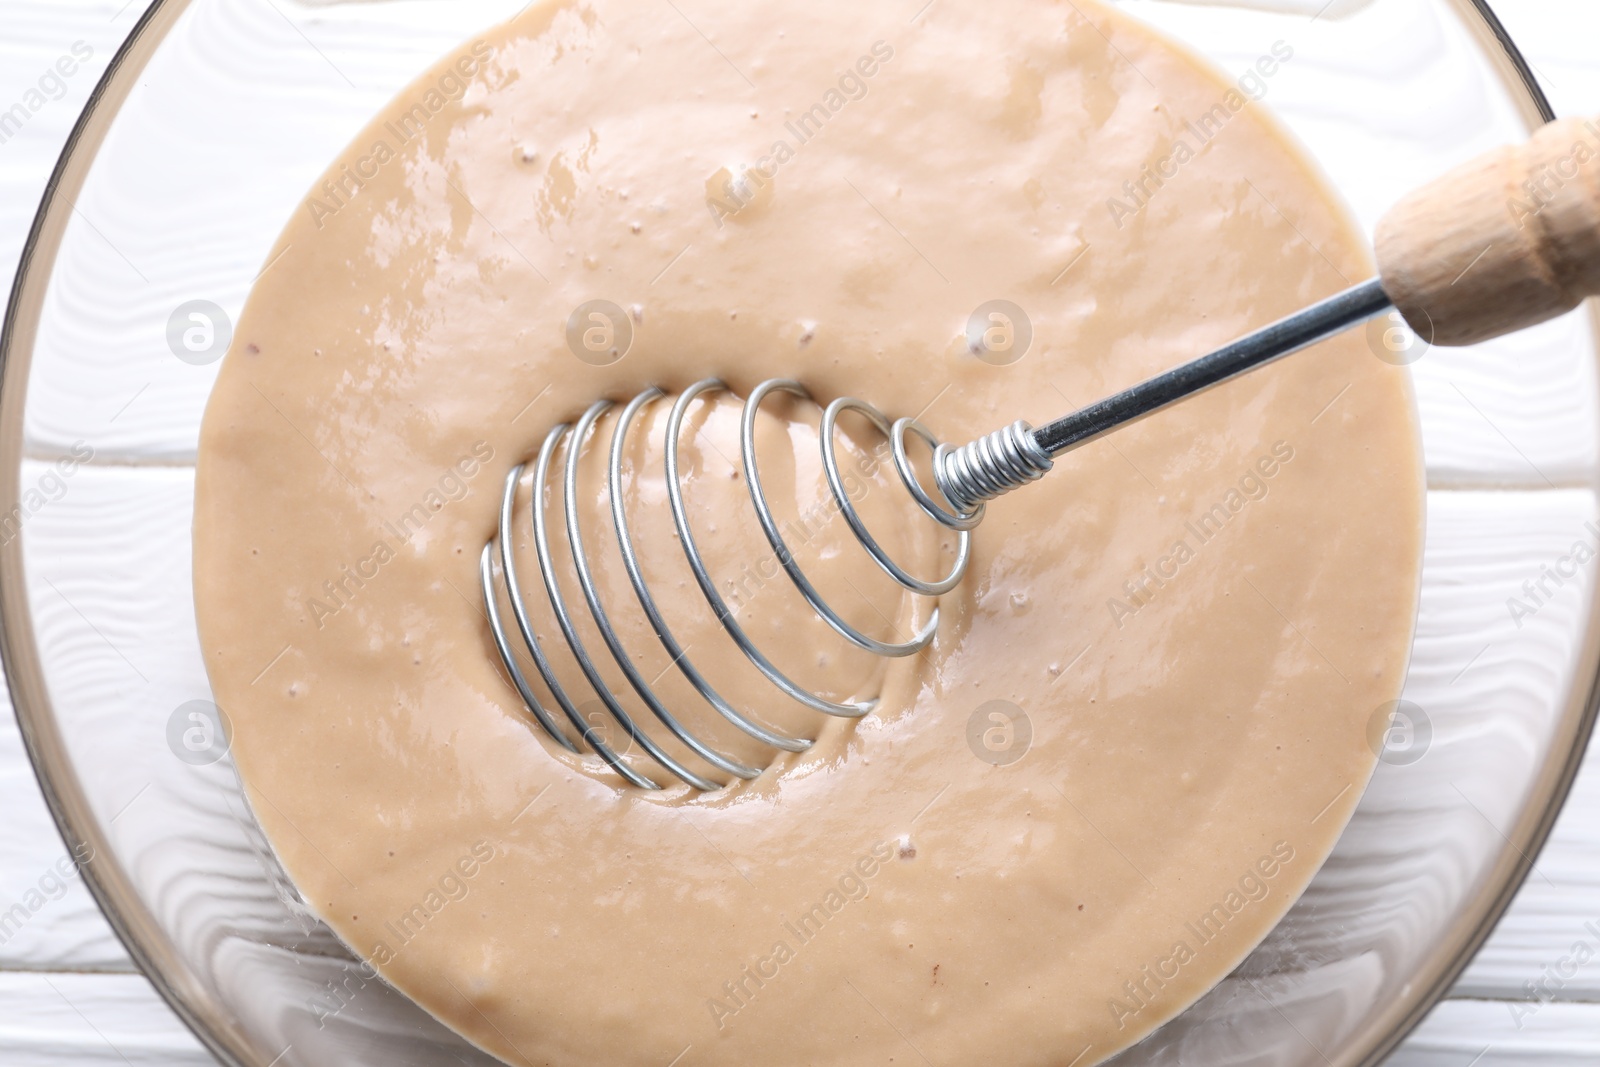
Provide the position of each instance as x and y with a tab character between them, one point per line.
960	476
991	466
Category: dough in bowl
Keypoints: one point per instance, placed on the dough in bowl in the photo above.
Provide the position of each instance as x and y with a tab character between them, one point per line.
1197	616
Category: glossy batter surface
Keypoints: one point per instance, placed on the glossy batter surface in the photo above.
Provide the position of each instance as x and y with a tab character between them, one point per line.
1198	616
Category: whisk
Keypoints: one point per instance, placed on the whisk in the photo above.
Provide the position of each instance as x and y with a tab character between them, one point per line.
1504	242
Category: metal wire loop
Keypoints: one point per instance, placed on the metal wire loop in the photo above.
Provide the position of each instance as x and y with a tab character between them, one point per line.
830	467
769	524
954	519
581	543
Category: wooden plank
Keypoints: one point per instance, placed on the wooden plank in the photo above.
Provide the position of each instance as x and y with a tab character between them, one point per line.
59	926
1516	412
37	34
66	930
110	564
111	551
115	625
1555	920
1491	688
1486	433
151	231
75	1020
1481	1033
1498	675
86	1020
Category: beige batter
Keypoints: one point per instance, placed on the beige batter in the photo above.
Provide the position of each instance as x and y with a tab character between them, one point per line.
1199	615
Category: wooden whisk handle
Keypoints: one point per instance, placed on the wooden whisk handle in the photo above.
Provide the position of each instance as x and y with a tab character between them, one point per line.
1506	241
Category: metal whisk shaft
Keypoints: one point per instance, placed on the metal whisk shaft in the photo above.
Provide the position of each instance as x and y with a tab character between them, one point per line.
1012	457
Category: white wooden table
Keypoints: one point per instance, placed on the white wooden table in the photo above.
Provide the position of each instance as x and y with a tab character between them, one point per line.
70	995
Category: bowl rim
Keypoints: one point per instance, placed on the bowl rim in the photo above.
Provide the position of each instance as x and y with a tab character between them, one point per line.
148	944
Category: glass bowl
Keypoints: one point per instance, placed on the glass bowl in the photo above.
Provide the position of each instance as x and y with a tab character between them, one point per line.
209	125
